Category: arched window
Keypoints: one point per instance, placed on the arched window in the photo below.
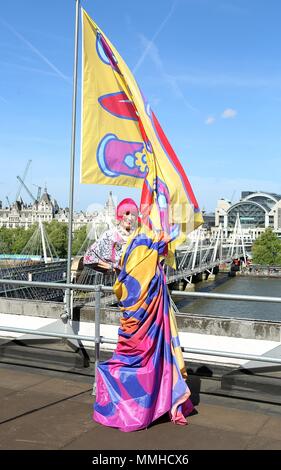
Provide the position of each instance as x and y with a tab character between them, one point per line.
250	213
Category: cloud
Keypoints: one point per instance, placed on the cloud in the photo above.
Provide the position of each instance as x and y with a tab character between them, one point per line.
229	113
27	68
149	44
208	80
3	99
210	120
36	51
174	86
151	50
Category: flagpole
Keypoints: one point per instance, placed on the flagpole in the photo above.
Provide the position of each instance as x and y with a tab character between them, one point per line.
72	160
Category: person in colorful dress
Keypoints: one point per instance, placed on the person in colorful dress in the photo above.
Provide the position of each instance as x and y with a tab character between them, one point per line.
146	377
105	254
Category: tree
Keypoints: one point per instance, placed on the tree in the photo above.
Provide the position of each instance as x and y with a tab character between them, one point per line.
6	241
21	237
267	249
78	239
13	240
57	235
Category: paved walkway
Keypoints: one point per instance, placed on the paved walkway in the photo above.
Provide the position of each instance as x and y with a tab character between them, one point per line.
51	410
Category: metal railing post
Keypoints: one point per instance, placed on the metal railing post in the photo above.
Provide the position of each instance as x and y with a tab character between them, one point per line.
97	334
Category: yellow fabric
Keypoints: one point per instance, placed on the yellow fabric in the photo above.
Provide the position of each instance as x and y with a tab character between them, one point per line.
100	79
141	265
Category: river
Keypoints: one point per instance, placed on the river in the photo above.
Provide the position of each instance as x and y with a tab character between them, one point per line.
238	309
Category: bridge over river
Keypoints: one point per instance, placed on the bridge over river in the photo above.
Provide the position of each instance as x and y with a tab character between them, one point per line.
202	255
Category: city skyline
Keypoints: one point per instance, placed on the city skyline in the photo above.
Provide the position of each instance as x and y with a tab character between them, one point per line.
210	70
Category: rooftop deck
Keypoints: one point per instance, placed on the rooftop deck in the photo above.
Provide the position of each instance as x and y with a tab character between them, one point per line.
45	409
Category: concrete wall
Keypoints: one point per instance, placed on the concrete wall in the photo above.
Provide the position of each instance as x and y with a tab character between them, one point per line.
207	325
237	328
31	307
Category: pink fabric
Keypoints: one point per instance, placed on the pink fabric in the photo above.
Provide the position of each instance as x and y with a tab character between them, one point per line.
179	416
142	381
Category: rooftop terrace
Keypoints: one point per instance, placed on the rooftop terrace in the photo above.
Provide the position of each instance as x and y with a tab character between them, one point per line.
45	409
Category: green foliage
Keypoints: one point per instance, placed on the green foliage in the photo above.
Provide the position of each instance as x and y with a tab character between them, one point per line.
14	240
21	238
57	235
267	249
78	239
5	241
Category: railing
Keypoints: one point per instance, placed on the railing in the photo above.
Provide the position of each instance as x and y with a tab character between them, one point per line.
98	339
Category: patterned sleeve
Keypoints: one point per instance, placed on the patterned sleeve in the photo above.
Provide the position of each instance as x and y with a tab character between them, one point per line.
101	250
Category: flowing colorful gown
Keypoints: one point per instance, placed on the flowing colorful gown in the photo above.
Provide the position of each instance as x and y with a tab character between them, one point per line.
145	378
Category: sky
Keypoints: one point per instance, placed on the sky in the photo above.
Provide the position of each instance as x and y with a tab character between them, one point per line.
211	70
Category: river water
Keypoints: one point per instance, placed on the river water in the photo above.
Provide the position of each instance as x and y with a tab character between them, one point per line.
238	309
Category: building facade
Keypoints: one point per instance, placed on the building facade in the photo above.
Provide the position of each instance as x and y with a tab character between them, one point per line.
255	210
47	209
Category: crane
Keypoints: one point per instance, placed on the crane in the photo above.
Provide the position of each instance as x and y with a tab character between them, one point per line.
26	188
38	191
8	201
23	178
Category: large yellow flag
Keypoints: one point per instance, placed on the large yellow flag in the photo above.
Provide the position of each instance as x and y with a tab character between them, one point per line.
122	140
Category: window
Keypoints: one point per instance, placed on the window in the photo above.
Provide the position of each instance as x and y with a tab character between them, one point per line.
250	215
271	220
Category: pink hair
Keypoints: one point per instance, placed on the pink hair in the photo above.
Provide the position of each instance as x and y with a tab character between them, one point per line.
126	205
